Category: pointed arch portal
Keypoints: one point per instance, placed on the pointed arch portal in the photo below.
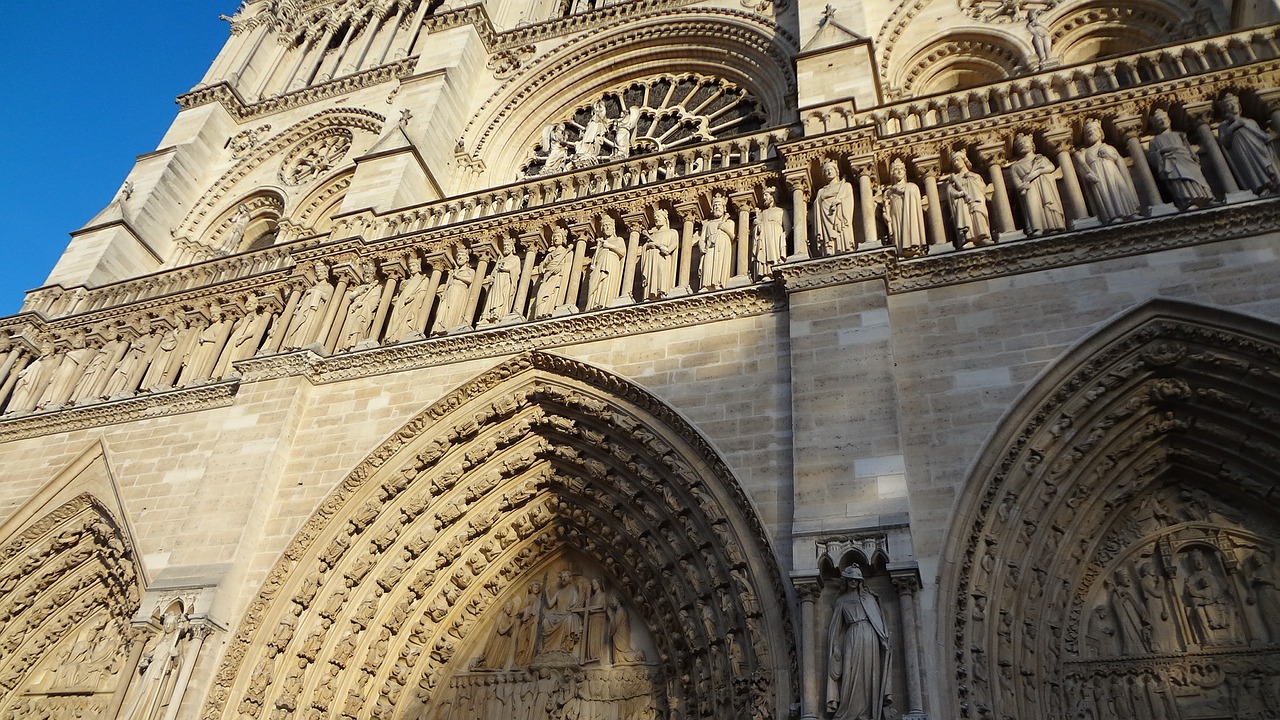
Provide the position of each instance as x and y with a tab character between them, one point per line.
1115	553
546	541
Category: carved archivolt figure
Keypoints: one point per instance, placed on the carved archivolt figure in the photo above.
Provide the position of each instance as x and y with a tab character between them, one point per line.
716	244
502	283
770	234
904	212
553	274
408	318
833	213
1033	178
968	193
1248	148
1176	164
658	259
159	671
1106	177
857	677
604	282
362	308
310	311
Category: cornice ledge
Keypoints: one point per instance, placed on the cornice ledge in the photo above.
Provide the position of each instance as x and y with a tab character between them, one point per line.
242	111
1086	246
586	327
837	270
275	367
175	402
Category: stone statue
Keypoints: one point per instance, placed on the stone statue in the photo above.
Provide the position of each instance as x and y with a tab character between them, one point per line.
716	244
95	373
63	378
619	623
553	274
362	309
1040	40
770	234
450	313
1175	163
32	379
245	336
587	150
209	344
561	626
833	213
1135	631
408	316
128	372
857	676
235	231
658	259
557	150
1263	585
604	280
624	132
1106	177
968	193
1209	610
904	212
497	651
1163	636
526	632
89	656
1102	633
156	377
502	284
1248	148
158	670
1033	178
310	311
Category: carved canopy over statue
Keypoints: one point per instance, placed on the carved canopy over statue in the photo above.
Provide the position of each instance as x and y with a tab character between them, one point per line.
651	115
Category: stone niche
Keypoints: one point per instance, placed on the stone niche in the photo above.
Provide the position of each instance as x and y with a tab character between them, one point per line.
563	643
1180	614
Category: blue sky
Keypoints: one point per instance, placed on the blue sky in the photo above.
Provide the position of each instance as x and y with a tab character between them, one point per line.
88	87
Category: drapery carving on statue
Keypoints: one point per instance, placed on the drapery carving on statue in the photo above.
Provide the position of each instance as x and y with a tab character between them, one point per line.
645	116
155	686
1124	530
441	572
68	586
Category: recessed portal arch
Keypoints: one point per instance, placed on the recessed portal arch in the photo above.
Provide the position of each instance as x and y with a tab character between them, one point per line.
548	499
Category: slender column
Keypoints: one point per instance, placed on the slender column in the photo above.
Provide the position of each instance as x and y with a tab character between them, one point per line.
907	585
10	358
866	170
304	50
1072	195
929	166
635	221
798	180
433	284
282	323
268	78
376	19
576	271
127	672
12	379
1130	128
473	296
994	154
250	50
381	54
688	211
95	392
384	307
198	634
529	241
334	314
1201	115
329	66
745	202
808	590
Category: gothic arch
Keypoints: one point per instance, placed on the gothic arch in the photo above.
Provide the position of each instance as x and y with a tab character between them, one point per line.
1091	30
69	585
1114	550
959	59
380	599
741	47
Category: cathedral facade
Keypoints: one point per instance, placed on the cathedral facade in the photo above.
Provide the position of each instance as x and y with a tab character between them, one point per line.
667	359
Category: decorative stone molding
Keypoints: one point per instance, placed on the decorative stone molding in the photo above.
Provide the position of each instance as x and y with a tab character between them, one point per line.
244	111
173	402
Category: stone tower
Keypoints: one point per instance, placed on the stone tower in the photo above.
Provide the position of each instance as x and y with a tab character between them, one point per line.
658	359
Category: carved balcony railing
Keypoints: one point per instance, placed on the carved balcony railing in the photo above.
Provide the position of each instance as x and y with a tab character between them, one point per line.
510	265
1151	67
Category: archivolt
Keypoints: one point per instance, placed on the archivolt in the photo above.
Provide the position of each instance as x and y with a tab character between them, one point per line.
995	55
740	47
275	147
1136	23
366	611
1171	396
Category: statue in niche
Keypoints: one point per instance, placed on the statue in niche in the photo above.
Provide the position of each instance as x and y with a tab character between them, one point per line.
1259	571
239	223
63	378
502	284
658	258
604	280
716	244
1106	177
1163	635
310	311
95	372
1033	178
455	294
208	346
1209	610
770	234
526	631
362	309
1041	42
553	274
128	372
587	149
157	377
968	193
624	131
1248	148
1135	631
158	669
619	624
858	671
497	652
408	314
31	380
833	213
245	336
1176	164
561	626
904	212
